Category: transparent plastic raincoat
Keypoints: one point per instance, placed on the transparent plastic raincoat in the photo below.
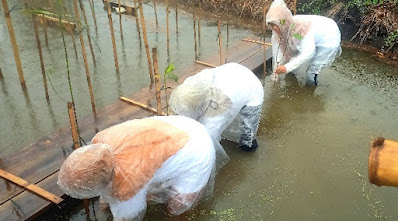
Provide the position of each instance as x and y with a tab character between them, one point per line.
170	160
215	96
304	40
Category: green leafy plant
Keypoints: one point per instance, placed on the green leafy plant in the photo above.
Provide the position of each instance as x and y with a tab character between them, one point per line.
168	74
316	7
391	39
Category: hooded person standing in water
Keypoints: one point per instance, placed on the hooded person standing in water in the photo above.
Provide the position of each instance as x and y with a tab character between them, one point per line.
301	39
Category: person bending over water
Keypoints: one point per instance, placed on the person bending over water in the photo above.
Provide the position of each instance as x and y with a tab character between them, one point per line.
215	96
169	159
301	39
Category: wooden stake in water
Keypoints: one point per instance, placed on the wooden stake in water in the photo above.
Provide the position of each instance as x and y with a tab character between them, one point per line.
1	74
157	81
137	23
13	43
200	16
295	7
146	41
219	39
91	2
194	36
73	125
112	36
156	14
264	29
72	33
45	26
51	4
227	30
87	30
85	59
120	19
167	24
38	42
176	16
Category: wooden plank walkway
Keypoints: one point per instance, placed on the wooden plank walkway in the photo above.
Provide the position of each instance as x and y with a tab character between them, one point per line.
128	6
39	162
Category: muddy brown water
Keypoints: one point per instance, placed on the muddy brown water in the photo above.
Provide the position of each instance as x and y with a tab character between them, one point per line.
313	141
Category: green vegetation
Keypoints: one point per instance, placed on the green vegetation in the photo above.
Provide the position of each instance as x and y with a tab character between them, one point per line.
168	74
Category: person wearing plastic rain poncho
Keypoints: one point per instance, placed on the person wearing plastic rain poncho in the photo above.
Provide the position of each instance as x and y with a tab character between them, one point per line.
215	96
168	160
301	39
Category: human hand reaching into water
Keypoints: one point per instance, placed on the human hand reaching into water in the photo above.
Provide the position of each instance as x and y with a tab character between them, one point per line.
281	70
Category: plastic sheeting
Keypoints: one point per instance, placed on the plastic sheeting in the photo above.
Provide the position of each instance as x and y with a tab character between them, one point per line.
318	48
168	160
216	96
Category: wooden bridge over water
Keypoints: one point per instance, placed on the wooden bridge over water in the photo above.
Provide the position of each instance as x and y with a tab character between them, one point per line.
37	165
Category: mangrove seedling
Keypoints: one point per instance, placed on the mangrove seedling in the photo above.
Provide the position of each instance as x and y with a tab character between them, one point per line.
168	73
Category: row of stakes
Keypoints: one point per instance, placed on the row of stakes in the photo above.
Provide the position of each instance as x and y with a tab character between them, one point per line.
152	62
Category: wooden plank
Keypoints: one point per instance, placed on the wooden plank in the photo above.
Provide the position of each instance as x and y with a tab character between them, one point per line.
70	26
25	184
141	105
205	64
25	205
130	9
258	42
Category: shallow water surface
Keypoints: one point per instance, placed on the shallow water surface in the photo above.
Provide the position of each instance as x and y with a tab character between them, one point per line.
313	151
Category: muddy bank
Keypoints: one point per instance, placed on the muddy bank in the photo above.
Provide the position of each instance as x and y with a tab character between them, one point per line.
367	26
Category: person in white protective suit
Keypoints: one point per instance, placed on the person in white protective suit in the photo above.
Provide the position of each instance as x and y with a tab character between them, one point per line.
215	96
168	159
300	40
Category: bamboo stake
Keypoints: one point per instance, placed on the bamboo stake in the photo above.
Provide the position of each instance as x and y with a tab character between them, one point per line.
43	70
73	125
258	42
112	36
72	33
45	26
264	29
13	43
200	15
205	64
51	4
167	24
176	16
148	55
157	81
137	23
227	30
194	35
91	2
74	44
90	89
219	39
141	105
88	31
120	19
156	14
25	184
295	7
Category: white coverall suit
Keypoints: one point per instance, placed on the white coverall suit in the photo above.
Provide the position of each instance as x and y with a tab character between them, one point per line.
215	96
